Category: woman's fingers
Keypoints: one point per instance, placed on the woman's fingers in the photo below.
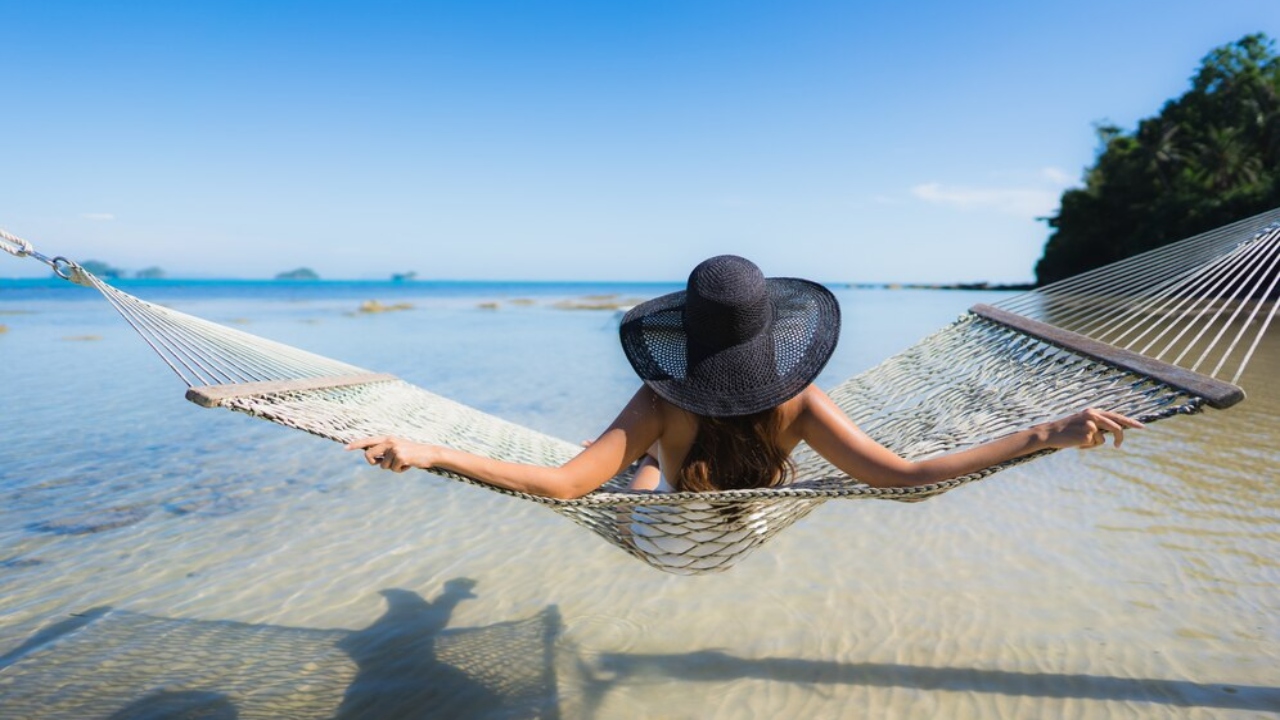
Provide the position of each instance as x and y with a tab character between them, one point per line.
380	451
1104	425
1090	438
1100	422
387	452
374	448
365	442
394	462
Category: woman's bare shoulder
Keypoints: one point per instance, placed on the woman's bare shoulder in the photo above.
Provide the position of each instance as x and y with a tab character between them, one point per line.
806	400
794	413
815	411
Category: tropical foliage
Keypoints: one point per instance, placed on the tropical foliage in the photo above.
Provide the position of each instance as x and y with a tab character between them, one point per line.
1208	158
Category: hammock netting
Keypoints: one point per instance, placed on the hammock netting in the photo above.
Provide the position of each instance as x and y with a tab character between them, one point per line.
1156	335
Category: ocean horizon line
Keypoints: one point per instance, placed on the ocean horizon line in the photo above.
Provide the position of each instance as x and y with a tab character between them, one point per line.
55	281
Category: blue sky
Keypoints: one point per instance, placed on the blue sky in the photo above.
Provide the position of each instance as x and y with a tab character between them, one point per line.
842	141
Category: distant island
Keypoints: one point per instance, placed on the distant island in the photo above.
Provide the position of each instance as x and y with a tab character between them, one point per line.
944	286
102	269
107	271
301	273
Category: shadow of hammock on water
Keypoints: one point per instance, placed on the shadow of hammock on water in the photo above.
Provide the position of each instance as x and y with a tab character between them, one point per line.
114	664
717	666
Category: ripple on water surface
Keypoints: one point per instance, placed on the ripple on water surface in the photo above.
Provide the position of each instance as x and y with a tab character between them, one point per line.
1104	584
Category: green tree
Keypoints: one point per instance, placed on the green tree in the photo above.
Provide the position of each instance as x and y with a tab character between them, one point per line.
1207	158
1226	161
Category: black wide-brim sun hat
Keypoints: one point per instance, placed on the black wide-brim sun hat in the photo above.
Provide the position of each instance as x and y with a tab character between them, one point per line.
733	342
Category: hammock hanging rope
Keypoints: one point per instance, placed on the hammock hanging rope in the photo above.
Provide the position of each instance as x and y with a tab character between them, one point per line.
1151	337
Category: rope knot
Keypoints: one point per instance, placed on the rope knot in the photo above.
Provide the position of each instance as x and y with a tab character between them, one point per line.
15	245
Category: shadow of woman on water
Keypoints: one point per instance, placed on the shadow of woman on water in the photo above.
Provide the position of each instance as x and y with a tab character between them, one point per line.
410	664
399	673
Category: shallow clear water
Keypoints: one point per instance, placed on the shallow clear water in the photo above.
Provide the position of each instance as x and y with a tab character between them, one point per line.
1140	583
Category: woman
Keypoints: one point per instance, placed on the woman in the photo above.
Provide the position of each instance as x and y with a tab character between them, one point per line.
728	366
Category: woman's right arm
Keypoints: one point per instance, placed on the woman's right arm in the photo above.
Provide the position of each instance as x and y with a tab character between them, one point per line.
637	427
826	428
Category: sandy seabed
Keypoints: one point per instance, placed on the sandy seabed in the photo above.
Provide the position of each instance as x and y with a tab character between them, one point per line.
157	558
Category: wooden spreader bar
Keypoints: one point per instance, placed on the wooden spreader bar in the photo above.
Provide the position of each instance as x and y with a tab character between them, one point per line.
213	395
1216	393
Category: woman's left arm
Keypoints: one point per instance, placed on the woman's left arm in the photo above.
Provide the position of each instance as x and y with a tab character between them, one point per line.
637	427
835	437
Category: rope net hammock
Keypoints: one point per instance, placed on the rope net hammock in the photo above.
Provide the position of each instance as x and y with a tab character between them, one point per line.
1156	335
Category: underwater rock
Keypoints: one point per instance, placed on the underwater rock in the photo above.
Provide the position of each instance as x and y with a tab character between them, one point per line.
207	507
94	521
373	306
21	562
598	302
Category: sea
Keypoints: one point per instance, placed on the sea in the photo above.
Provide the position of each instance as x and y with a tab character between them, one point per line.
161	560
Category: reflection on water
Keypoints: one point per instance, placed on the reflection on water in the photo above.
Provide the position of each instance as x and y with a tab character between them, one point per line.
1132	583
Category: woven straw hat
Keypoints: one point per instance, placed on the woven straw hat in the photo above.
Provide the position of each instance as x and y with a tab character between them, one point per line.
733	342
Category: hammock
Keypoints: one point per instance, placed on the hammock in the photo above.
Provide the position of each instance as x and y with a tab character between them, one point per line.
1153	336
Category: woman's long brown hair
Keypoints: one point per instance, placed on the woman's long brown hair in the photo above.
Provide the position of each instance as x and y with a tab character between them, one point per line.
735	453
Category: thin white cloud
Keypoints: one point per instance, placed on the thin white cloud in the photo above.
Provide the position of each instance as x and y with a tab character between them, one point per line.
1057	176
98	216
1022	201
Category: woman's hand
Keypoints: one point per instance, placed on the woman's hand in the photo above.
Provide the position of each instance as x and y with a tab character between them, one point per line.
1087	429
396	454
